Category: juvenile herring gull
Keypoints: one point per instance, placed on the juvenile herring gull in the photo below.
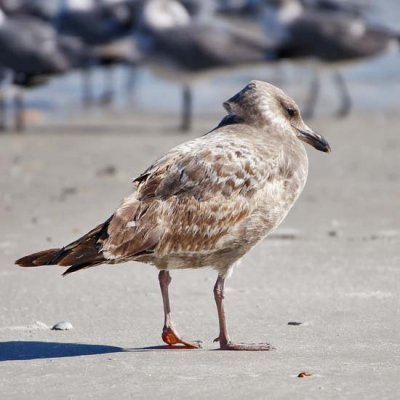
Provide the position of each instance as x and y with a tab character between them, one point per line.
207	202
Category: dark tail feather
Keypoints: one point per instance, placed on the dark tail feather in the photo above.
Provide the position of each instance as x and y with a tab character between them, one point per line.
82	253
44	257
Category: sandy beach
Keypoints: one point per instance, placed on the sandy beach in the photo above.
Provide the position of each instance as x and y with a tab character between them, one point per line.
333	266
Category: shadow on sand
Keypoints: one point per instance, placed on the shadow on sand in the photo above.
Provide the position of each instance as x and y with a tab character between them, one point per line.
30	350
26	350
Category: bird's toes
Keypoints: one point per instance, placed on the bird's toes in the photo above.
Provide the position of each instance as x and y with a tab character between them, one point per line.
247	346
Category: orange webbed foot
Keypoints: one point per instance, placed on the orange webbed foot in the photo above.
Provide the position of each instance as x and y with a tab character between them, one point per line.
172	338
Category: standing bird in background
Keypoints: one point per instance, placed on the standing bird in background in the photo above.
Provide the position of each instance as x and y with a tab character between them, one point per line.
207	202
106	26
183	47
33	51
333	37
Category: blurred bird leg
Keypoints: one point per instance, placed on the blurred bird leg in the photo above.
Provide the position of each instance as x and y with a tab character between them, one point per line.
108	93
309	108
131	81
223	338
87	92
345	99
187	109
19	111
2	111
169	334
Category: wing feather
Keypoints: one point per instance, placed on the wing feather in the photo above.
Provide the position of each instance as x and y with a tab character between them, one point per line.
189	200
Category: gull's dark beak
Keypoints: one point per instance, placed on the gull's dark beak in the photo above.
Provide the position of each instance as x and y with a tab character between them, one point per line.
317	141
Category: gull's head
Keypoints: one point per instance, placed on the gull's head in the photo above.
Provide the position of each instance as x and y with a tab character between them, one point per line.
264	105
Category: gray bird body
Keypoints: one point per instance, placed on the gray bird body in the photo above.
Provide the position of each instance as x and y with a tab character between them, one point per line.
98	23
335	38
32	47
204	46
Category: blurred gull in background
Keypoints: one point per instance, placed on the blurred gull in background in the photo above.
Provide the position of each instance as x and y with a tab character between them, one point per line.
107	26
186	47
186	41
33	51
332	37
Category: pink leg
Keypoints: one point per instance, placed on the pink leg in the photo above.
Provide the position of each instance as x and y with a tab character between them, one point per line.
223	338
169	334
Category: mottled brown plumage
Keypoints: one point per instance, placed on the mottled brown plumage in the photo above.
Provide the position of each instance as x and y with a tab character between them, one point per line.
207	201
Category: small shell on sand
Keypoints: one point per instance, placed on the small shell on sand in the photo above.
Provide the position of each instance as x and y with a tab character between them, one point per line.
62	326
304	374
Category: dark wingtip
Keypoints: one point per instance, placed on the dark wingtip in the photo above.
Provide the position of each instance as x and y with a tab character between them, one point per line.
68	271
77	267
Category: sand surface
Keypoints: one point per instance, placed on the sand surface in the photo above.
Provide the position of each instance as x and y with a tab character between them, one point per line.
333	265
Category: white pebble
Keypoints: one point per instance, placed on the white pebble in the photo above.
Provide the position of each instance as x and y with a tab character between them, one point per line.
62	326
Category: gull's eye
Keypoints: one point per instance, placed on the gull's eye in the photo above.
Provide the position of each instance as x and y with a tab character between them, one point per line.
291	112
